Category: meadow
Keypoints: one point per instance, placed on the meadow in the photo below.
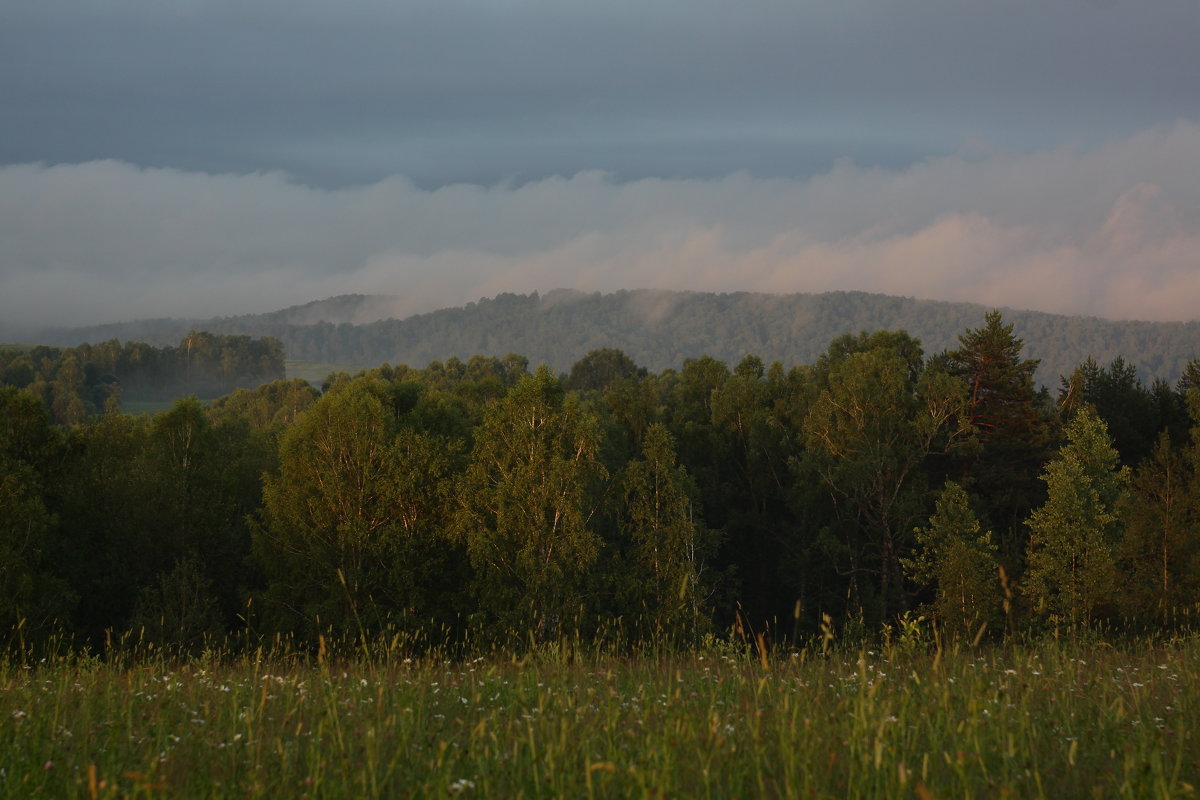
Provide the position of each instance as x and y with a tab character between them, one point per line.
1042	719
315	371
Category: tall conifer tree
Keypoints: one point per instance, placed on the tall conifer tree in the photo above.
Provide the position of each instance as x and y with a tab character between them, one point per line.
1014	428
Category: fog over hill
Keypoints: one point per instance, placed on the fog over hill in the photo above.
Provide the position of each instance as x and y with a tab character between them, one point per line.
660	329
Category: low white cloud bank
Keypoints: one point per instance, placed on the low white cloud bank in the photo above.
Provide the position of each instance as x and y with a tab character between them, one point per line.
1112	231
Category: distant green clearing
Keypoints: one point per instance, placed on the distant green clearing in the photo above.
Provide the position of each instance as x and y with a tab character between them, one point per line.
149	406
316	371
311	371
1050	720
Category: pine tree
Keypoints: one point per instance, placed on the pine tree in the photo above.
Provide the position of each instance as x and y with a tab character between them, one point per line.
1014	429
1190	378
1132	413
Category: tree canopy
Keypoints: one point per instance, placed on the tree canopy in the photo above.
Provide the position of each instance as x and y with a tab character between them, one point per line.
475	503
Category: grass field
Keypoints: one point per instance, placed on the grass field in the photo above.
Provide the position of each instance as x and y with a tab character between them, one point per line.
1042	720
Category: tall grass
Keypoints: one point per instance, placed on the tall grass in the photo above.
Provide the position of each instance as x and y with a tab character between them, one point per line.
1049	719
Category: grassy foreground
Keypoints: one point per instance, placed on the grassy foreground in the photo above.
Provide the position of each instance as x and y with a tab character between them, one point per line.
1043	720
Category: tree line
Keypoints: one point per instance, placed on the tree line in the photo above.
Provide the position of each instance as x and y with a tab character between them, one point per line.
483	501
75	382
660	329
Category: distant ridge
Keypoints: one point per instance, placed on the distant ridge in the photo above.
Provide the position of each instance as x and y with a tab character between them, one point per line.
660	329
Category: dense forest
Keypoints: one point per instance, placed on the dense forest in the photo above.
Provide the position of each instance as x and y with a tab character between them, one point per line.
76	382
483	501
659	329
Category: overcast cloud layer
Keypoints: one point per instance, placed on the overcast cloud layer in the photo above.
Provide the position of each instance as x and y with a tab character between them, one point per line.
1110	231
227	156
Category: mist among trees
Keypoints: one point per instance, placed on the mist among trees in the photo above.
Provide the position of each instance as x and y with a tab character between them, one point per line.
488	501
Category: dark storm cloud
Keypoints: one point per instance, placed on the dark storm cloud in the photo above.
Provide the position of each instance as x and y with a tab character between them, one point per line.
485	90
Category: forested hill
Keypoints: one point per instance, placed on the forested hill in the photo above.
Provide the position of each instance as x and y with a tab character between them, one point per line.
661	329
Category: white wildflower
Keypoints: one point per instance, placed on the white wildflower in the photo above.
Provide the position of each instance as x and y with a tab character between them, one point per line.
461	785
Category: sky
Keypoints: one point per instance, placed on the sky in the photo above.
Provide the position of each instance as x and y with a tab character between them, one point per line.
211	157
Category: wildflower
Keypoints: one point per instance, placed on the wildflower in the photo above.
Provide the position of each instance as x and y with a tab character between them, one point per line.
461	785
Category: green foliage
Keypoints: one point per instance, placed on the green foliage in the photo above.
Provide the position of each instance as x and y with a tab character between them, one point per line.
660	329
632	404
471	501
750	496
138	495
33	599
903	347
180	610
1071	575
688	415
526	501
1054	720
1013	426
1132	412
78	382
1189	378
111	520
601	369
25	430
868	433
203	478
274	403
958	558
670	580
1159	554
352	524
